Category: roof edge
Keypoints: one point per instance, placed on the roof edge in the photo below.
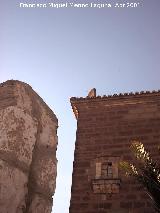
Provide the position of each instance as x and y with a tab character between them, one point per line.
130	94
74	100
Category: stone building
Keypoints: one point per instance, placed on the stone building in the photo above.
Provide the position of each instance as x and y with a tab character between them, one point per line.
28	142
105	128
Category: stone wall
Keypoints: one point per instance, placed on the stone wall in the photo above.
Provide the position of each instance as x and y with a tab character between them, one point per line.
28	142
105	128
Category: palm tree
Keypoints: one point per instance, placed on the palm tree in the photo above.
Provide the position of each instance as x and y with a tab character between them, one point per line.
146	171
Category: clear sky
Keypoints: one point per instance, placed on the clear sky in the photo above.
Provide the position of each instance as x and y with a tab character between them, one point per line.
67	51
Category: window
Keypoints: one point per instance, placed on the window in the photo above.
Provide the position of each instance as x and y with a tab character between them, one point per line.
106	178
106	170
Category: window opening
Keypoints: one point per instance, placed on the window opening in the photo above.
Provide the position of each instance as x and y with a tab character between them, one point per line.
106	170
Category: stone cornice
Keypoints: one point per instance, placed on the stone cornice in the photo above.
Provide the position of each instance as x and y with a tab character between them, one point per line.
116	99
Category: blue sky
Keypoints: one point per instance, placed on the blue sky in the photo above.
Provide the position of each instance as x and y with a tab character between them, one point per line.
67	51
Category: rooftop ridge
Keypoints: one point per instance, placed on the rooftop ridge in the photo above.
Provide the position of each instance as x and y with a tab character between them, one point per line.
115	95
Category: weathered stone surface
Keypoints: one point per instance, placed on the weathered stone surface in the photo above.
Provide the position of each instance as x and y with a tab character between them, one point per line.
28	141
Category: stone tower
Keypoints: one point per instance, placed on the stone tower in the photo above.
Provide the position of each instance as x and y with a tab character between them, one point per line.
28	141
105	128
